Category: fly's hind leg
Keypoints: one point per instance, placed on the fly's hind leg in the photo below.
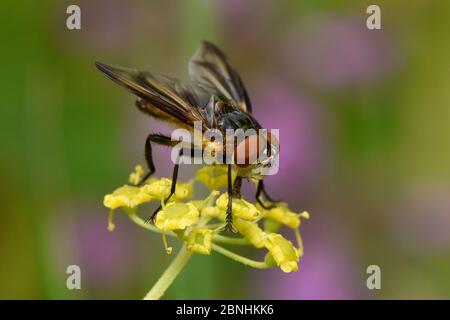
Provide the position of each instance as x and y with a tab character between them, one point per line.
261	190
234	190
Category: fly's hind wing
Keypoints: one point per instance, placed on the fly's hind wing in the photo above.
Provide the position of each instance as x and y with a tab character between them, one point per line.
210	68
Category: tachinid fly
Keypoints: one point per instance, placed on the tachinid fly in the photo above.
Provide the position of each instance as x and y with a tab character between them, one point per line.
216	98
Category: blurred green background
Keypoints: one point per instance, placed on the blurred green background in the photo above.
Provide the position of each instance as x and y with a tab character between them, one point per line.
364	123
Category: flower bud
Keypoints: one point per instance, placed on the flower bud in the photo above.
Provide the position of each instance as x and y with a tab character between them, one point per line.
160	189
126	196
176	216
283	252
285	216
199	240
251	231
241	208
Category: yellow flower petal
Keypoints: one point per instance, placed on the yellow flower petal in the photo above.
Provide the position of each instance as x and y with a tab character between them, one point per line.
214	177
176	216
283	252
269	261
199	204
126	196
211	212
160	189
241	208
199	240
271	225
283	215
183	191
251	231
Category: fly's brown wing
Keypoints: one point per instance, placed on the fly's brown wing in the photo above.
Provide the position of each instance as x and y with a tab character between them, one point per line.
209	67
162	97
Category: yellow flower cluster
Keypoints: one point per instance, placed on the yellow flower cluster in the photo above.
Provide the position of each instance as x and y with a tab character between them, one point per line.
199	223
130	197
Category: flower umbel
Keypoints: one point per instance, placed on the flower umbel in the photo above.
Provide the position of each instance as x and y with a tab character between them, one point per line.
198	224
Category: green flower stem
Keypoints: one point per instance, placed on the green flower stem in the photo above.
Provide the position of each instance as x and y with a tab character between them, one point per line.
169	275
227	240
239	258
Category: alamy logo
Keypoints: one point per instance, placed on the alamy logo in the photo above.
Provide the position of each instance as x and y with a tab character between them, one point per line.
373	21
73	281
374	279
73	21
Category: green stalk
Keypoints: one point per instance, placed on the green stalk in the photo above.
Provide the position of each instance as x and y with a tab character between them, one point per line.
169	275
239	258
